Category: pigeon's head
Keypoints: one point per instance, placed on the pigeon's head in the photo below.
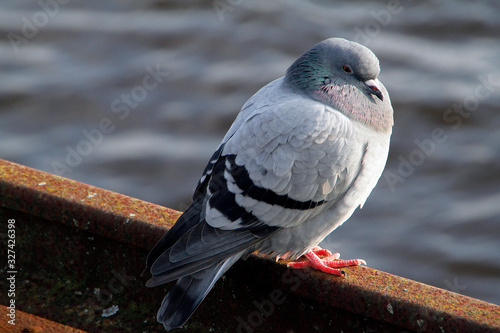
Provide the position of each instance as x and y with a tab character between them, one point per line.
344	75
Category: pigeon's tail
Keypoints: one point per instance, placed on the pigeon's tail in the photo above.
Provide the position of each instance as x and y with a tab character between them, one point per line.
187	294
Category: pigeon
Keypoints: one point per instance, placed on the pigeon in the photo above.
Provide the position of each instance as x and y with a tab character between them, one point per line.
303	153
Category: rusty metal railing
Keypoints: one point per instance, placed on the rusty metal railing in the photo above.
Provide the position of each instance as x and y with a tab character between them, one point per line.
79	251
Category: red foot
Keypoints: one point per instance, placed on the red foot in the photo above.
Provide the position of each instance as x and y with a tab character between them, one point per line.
326	264
321	252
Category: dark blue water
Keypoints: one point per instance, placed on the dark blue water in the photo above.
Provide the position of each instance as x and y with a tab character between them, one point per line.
135	96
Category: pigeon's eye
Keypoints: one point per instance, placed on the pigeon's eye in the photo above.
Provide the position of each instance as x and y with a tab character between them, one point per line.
347	69
327	80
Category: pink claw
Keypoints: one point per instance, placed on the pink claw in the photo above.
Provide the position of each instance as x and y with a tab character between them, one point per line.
328	265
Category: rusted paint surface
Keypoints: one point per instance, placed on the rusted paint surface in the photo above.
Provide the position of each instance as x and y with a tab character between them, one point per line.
27	323
403	303
408	304
83	206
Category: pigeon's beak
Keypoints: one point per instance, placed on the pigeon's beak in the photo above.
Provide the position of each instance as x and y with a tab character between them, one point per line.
374	87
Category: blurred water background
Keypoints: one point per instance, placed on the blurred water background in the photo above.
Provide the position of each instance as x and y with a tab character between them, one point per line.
134	97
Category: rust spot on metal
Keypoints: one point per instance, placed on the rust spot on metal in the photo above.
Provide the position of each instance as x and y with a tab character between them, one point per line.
125	228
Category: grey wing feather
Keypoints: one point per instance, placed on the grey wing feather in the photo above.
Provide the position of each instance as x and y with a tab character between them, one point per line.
196	253
186	295
206	176
192	244
296	154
